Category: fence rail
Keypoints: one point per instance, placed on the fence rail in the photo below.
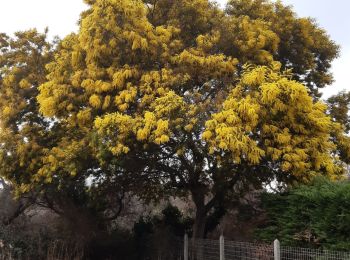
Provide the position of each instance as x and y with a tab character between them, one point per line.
207	249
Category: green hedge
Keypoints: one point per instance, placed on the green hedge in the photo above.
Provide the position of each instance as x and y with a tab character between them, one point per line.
317	215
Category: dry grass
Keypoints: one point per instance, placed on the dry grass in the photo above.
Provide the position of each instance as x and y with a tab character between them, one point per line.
57	250
60	250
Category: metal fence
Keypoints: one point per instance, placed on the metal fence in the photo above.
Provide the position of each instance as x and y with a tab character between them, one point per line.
292	253
247	251
207	249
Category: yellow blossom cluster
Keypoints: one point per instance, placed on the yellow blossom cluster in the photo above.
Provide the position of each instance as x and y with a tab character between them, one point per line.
270	117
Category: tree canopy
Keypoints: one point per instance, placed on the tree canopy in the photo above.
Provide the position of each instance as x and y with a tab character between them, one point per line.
183	98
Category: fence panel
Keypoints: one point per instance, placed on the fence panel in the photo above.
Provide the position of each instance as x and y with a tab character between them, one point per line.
247	251
297	253
207	249
204	249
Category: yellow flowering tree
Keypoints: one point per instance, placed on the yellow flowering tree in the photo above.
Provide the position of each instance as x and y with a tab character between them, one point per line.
31	146
23	134
157	92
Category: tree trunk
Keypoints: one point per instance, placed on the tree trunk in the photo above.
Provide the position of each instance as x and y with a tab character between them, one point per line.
199	225
198	197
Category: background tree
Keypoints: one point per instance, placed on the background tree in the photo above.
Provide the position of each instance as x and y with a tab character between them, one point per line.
339	108
171	102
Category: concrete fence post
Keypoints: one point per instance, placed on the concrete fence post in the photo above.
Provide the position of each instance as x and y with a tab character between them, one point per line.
186	247
276	250
222	248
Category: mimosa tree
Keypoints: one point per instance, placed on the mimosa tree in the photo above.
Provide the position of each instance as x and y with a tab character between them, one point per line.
158	93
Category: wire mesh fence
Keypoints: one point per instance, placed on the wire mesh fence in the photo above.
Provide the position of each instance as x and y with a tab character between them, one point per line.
297	253
207	249
247	251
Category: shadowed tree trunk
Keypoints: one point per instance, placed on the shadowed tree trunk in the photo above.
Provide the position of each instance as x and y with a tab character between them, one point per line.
198	196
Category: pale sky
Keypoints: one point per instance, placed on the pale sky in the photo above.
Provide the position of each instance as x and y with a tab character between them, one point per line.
61	17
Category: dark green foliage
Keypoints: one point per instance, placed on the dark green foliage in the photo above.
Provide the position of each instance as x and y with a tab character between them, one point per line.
214	218
339	105
171	218
158	234
317	215
174	219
